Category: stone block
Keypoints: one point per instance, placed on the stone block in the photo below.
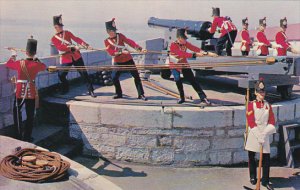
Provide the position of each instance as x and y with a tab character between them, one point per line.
239	116
162	156
239	157
133	154
164	141
113	139
187	117
84	112
227	143
286	111
134	116
220	132
191	145
216	158
236	132
141	141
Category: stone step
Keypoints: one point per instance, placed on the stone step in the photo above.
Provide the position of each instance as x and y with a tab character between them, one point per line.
54	111
69	150
47	136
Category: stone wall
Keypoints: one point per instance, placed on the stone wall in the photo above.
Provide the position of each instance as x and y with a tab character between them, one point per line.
43	80
183	136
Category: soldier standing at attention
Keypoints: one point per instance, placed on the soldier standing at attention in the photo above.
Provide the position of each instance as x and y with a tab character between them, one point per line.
178	54
245	37
261	123
227	29
282	41
115	46
70	55
26	92
263	42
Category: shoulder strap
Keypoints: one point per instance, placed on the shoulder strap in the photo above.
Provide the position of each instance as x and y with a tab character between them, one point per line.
62	40
24	70
116	44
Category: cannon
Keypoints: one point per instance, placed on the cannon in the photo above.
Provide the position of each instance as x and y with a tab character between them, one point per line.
196	29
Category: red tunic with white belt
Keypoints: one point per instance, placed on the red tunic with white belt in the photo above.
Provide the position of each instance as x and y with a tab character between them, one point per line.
116	44
226	26
178	51
263	43
33	67
282	42
245	39
62	46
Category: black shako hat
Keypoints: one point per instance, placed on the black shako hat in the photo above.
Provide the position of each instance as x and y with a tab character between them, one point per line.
181	33
245	21
57	20
111	25
31	46
263	22
260	86
283	22
215	11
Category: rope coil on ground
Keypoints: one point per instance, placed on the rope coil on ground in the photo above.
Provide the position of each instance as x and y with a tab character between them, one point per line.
40	166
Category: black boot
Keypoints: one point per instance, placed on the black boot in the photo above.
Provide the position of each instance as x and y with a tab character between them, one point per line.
181	92
92	94
117	96
253	181
268	186
205	102
142	97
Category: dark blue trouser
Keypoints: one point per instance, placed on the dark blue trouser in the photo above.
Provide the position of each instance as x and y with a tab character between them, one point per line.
189	76
134	73
63	74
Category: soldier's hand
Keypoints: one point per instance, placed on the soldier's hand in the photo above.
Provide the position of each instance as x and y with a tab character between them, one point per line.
144	51
199	54
13	52
212	54
125	52
89	47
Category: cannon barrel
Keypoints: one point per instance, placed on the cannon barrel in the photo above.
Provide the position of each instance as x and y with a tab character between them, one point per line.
197	29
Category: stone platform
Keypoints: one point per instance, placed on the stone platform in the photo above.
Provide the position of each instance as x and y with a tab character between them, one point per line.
159	131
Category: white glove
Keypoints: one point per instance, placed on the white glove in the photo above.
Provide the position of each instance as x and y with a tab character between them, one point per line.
13	52
269	129
259	135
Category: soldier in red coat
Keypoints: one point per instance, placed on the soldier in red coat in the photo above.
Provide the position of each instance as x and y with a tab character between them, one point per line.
245	37
282	41
178	54
263	42
227	29
115	46
261	123
70	54
25	89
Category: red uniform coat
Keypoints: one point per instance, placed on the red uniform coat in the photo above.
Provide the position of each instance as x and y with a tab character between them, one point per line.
250	114
120	40
179	52
67	55
33	68
261	38
221	22
281	40
245	39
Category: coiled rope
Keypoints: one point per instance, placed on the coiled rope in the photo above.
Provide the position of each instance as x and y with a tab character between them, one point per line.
34	165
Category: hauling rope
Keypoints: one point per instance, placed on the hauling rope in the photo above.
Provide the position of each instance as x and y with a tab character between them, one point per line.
34	165
269	60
